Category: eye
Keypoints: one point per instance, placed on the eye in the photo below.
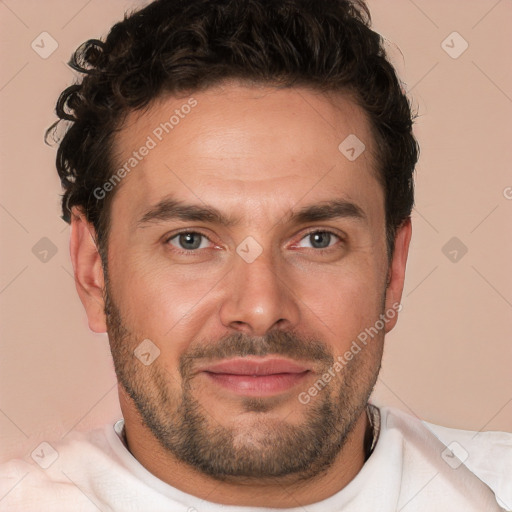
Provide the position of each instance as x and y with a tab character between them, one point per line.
189	241
320	239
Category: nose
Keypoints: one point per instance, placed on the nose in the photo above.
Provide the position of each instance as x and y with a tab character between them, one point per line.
258	298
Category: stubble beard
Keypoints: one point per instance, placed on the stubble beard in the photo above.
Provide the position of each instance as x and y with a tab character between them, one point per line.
269	447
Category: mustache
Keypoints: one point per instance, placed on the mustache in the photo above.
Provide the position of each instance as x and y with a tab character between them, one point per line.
283	343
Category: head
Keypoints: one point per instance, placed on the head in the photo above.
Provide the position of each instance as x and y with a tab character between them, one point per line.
238	174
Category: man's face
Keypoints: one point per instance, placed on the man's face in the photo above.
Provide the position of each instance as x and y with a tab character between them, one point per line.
248	308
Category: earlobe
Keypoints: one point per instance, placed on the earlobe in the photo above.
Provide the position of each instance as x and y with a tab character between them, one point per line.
88	270
396	273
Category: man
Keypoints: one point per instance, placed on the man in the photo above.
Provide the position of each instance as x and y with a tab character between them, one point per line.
238	179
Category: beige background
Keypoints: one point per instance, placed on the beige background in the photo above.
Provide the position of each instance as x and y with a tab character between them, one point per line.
449	359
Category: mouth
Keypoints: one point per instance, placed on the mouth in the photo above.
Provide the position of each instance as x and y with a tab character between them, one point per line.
256	376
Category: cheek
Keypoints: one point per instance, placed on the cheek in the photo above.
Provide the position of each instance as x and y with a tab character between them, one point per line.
343	303
160	302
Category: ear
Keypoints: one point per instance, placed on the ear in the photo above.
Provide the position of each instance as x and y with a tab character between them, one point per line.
396	272
88	270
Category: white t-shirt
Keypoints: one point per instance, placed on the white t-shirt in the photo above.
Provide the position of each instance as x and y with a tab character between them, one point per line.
410	469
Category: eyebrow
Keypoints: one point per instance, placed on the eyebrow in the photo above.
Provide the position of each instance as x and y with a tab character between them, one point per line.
171	209
328	210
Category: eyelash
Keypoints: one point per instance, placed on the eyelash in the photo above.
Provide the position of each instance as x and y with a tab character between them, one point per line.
195	251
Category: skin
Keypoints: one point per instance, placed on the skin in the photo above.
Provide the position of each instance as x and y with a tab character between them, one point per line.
260	154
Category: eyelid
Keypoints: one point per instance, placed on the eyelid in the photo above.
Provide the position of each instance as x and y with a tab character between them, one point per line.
341	236
315	229
197	231
324	230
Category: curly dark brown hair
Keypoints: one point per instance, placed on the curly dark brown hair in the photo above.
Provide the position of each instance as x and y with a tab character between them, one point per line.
182	46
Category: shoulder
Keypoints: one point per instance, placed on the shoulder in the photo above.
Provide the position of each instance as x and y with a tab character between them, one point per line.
44	478
487	455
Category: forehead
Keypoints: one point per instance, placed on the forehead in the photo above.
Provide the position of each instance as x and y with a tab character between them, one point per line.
246	146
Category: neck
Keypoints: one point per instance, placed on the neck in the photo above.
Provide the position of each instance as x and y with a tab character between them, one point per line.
285	492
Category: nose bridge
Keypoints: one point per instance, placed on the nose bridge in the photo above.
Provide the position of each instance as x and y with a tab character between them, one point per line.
258	298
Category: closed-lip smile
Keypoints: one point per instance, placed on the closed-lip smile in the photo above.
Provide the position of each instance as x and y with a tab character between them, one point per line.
256	376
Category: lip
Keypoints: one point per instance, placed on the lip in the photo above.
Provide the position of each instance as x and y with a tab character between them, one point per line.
255	366
256	376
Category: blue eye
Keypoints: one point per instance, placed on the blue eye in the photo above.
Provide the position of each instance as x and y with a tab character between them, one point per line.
193	241
189	241
321	239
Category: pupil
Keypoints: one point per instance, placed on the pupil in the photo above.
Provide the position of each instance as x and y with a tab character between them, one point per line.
321	240
187	240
